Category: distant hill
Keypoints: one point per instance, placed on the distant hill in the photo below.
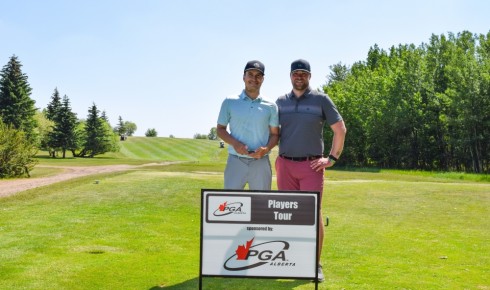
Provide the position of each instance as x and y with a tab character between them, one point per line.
170	149
135	150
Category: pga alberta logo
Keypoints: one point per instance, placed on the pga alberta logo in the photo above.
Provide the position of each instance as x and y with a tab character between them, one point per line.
250	255
229	208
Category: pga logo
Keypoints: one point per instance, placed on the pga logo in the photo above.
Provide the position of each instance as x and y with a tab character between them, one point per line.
250	255
229	208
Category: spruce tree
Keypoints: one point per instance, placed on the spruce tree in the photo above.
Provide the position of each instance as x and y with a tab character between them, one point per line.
93	129
121	129
16	106
104	116
54	106
98	136
66	127
53	114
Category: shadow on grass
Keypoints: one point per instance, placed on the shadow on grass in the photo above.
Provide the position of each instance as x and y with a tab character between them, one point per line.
234	283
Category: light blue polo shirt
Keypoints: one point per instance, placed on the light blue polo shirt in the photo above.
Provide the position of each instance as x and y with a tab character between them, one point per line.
248	120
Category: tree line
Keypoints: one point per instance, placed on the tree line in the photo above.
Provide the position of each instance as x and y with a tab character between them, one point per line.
410	107
417	107
83	138
24	129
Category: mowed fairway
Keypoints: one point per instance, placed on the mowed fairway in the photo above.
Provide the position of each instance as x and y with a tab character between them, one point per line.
139	229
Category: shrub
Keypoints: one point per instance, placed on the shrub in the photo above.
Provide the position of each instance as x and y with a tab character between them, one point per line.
16	152
151	133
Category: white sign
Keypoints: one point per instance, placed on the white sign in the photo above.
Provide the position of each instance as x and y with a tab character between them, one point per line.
259	234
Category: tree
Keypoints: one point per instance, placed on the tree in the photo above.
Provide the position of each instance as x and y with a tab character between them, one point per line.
54	106
64	135
200	136
52	113
151	132
120	128
98	135
125	127
45	126
422	107
16	107
213	134
16	152
130	128
470	105
67	128
104	117
339	73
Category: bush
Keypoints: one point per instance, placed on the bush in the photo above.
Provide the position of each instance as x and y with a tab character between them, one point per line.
16	153
151	133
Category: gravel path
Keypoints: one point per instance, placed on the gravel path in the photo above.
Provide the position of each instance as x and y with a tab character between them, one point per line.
10	187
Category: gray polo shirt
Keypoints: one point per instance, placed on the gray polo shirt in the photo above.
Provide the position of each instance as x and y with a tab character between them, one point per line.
302	119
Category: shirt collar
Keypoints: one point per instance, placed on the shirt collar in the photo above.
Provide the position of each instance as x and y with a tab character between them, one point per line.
304	95
245	97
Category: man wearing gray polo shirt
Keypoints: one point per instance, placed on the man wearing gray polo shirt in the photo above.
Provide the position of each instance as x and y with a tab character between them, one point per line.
302	114
253	132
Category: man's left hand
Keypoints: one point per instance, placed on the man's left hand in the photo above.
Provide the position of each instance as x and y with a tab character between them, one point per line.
259	153
321	163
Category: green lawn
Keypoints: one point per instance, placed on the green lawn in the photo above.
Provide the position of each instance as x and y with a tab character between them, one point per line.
139	229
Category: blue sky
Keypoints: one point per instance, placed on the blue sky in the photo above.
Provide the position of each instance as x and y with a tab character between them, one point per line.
169	64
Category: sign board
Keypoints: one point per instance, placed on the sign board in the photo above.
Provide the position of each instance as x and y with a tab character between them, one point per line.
270	234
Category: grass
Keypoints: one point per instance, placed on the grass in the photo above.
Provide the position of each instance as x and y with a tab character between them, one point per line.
138	150
139	229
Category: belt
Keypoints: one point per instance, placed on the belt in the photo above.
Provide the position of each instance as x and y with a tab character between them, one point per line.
247	158
307	158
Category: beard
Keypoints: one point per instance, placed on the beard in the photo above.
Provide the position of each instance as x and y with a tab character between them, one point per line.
300	86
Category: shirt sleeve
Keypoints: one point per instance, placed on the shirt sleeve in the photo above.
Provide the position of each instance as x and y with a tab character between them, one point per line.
224	115
274	120
332	115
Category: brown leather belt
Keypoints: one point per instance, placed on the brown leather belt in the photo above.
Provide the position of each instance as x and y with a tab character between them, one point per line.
307	158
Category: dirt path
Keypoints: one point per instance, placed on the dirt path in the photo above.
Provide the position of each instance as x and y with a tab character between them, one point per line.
10	187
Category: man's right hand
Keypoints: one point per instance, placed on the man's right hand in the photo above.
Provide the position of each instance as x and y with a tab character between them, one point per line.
241	148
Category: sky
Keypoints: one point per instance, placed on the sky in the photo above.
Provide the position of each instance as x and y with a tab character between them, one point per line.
168	65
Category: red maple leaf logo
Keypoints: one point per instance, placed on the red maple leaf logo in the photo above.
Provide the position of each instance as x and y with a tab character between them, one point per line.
222	206
242	251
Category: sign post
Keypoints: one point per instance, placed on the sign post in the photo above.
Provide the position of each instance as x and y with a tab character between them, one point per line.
259	234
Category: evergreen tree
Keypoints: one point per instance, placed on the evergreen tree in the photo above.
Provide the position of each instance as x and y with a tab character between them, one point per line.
53	114
120	128
93	131
63	135
54	106
98	135
104	117
66	127
125	128
16	107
